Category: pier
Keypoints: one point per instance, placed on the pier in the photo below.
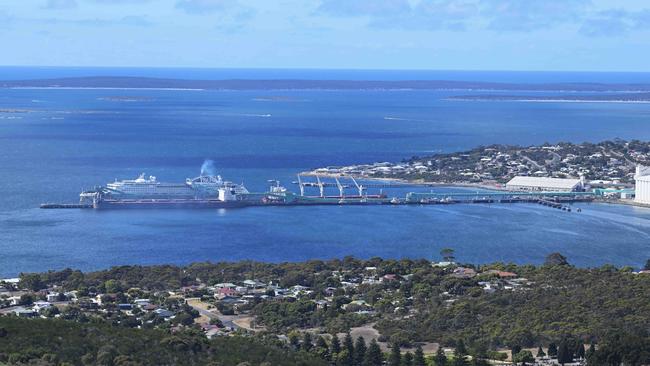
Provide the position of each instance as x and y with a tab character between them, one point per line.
350	192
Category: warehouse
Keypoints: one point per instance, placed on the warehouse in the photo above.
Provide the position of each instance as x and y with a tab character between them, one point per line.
642	185
545	184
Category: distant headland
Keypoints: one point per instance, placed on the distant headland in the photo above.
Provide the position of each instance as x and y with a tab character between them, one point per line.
124	82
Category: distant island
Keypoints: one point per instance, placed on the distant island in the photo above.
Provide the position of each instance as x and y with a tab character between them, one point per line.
339	312
604	98
123	98
289	84
607	162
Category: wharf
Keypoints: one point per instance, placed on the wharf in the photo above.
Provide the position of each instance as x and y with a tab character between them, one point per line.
559	200
65	205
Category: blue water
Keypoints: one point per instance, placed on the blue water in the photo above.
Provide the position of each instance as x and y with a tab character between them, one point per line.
73	140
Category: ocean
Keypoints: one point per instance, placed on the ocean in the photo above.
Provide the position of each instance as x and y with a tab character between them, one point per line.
66	140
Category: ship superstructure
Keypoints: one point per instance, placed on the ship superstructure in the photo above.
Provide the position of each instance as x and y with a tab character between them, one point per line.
203	186
204	190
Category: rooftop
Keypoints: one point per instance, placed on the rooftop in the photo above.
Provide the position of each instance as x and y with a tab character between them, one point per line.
559	183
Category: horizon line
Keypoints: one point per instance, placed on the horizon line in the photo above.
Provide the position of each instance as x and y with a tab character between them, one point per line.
318	69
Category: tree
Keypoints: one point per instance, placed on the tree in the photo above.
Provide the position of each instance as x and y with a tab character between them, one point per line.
552	350
348	343
395	357
322	349
344	358
26	299
460	348
460	353
31	281
347	355
360	350
294	340
407	360
112	286
540	352
563	353
441	358
374	356
306	341
335	346
447	254
523	357
514	350
418	358
459	360
556	259
580	351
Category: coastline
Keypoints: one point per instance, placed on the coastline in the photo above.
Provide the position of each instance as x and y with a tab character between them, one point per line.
409	182
533	100
467	185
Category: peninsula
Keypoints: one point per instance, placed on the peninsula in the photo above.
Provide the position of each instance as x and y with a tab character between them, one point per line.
603	163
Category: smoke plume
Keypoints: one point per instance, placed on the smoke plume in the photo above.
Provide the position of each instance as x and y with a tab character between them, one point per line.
208	168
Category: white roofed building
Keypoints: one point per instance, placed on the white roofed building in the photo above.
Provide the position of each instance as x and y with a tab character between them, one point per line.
545	184
642	185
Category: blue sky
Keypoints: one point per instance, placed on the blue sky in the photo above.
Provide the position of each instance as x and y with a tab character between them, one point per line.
589	35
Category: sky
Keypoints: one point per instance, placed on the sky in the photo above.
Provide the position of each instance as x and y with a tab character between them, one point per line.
545	35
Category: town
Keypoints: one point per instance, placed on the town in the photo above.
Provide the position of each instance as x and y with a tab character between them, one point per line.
402	308
605	164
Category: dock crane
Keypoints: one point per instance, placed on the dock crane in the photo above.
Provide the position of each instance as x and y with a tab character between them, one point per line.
341	188
361	188
301	185
321	187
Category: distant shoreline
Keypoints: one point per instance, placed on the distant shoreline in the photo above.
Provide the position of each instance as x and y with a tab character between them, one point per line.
641	98
127	83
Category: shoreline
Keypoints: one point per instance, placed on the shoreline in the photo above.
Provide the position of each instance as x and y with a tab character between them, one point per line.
463	185
409	182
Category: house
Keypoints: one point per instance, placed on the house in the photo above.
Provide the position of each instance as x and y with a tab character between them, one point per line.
254	284
225	285
360	304
125	307
463	272
389	277
25	313
442	264
230	300
321	304
40	305
488	287
330	291
502	274
164	313
141	302
14	300
242	289
52	296
226	291
149	307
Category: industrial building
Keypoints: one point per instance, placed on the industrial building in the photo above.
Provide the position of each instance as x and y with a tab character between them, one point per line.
642	186
545	184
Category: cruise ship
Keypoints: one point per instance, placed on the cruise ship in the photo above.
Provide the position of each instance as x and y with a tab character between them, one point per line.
200	187
202	191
